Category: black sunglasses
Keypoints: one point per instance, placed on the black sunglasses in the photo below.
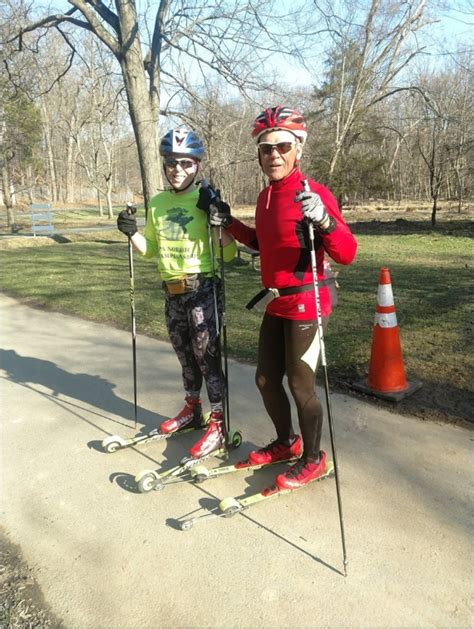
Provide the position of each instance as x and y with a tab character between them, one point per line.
282	147
186	164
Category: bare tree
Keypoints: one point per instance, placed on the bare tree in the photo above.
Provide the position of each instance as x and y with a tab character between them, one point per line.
445	139
19	118
96	134
224	122
370	53
229	37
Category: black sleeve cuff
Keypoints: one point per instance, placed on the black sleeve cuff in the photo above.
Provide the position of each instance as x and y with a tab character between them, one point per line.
330	228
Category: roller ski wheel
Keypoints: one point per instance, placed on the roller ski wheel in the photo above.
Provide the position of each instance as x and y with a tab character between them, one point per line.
199	473
148	481
113	443
234	440
229	507
186	525
206	418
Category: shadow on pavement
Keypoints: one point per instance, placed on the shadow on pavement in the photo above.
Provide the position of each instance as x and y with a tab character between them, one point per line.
209	510
92	390
125	481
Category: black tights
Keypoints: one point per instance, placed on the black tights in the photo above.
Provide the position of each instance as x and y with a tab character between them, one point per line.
283	344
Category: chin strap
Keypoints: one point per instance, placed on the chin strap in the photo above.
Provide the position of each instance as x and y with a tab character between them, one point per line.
184	189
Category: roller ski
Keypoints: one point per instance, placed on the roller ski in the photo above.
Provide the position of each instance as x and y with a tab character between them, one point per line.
275	452
189	419
212	444
296	477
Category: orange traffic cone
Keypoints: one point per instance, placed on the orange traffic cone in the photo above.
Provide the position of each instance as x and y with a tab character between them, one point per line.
386	372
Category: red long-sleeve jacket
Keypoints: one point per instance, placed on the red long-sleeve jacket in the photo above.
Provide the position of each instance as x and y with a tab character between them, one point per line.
281	237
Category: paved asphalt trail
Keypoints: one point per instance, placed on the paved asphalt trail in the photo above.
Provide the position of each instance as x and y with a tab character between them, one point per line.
107	556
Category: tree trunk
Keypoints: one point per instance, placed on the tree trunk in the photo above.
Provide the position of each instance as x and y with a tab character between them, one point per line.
12	193
108	196
31	183
435	188
52	169
49	152
99	203
144	117
433	211
69	192
7	196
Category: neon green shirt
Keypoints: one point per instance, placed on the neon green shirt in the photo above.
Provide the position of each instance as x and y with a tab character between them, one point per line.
177	234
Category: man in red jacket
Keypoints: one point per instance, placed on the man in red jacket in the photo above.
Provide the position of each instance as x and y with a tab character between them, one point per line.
289	341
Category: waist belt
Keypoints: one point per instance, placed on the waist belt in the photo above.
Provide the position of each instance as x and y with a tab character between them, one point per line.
269	294
186	284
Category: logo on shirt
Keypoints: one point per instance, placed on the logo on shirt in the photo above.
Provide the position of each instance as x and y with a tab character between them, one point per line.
176	220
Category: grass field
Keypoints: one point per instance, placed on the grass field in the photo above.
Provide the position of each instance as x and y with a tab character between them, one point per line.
87	275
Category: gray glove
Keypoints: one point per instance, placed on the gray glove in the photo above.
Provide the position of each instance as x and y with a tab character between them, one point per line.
219	214
313	208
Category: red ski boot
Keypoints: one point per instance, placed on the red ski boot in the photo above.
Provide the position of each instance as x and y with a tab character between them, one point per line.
212	439
276	451
302	473
190	414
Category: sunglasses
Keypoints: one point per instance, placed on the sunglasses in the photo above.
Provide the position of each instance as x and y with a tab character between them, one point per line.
185	164
282	147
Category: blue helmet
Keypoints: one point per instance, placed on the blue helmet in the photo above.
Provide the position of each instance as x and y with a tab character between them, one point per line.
182	142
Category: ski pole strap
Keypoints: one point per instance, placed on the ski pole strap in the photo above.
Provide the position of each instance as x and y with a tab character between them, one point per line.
267	295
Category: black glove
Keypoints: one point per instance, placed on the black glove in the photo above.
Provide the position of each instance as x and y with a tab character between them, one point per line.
207	195
217	210
127	222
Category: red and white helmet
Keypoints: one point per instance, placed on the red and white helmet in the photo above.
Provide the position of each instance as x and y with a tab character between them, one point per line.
280	118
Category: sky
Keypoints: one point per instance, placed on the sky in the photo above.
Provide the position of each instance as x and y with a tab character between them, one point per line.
455	26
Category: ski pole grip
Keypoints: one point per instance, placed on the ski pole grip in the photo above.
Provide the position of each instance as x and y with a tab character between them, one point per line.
213	194
306	188
131	209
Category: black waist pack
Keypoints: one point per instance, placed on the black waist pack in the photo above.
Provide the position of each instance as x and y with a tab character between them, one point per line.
265	296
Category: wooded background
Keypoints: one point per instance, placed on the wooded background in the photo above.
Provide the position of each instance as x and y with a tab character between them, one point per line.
88	87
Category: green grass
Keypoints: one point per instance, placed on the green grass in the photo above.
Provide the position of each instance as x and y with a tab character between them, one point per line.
430	271
65	218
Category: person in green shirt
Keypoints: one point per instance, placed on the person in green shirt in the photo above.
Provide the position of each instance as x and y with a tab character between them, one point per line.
178	235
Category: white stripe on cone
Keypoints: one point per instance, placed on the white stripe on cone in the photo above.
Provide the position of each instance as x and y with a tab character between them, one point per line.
385	295
386	319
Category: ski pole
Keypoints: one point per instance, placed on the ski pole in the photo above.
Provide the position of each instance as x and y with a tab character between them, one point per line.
224	333
133	210
213	258
205	184
221	329
326	380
